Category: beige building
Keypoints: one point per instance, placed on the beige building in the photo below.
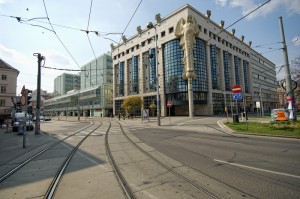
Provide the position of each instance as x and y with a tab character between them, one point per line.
195	53
8	86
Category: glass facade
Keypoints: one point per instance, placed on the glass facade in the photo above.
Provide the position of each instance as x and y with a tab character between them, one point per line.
226	70
135	74
121	78
175	86
214	66
152	68
246	80
236	70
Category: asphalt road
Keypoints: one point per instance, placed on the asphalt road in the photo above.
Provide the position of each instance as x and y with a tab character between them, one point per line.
261	167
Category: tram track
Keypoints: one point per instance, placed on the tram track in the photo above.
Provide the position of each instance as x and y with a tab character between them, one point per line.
170	169
55	182
26	161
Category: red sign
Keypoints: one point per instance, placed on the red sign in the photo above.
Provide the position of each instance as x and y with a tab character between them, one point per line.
169	104
236	89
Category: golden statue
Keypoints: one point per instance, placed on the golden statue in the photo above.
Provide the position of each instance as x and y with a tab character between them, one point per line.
186	31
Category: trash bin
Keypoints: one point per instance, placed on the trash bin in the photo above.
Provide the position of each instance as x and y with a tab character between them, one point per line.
235	118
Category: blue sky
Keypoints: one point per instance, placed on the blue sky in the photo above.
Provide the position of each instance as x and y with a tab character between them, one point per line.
18	41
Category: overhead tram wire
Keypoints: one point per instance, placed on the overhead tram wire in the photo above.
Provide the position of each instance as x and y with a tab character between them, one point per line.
65	69
87	34
58	36
130	20
236	22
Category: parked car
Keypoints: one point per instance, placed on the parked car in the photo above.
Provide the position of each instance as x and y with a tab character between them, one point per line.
42	118
19	118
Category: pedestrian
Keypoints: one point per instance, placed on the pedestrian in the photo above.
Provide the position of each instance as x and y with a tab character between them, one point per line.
193	113
119	116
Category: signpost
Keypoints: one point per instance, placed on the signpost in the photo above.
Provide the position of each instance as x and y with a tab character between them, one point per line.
169	104
236	90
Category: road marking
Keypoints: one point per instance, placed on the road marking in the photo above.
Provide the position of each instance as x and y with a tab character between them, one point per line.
220	125
258	169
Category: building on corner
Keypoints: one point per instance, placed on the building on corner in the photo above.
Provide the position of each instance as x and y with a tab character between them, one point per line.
216	60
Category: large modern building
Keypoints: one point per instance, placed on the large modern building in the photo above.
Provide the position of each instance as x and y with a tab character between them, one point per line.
8	86
198	63
64	83
94	96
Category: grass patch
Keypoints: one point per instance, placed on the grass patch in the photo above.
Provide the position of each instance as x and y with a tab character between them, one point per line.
286	128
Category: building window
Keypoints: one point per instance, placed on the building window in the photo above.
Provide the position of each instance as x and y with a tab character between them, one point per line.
205	31
121	78
214	66
175	85
152	69
143	44
163	33
149	41
246	80
3	89
2	102
200	28
226	70
200	66
171	30
236	70
4	77
135	74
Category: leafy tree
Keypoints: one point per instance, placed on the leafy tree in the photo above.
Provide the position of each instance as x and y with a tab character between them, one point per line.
152	106
295	71
132	104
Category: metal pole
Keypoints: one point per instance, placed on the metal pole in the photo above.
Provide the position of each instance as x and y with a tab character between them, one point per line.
78	105
157	81
38	98
261	102
288	80
225	106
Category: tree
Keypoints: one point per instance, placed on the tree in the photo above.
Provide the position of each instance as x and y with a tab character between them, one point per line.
295	72
295	69
152	107
132	104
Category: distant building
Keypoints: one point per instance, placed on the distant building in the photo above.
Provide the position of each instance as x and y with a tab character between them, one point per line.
64	83
97	72
214	58
94	96
8	86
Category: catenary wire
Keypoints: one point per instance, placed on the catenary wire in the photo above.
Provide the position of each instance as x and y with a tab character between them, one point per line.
58	36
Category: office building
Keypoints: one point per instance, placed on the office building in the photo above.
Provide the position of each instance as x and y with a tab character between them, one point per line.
198	63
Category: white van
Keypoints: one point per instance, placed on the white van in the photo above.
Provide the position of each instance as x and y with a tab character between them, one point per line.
21	116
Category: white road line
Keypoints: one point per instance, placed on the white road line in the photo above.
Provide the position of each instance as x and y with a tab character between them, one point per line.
220	125
258	169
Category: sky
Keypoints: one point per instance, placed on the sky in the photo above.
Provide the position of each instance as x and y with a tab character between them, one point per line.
69	46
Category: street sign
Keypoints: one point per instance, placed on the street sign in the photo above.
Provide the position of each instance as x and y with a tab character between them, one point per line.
169	104
23	92
236	89
23	100
237	96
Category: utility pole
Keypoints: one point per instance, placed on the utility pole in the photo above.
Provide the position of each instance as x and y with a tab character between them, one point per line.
288	80
38	97
261	102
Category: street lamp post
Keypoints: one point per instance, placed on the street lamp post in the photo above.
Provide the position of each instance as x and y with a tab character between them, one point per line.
150	25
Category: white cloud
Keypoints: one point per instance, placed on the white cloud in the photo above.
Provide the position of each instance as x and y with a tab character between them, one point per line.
296	41
221	2
291	6
27	65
